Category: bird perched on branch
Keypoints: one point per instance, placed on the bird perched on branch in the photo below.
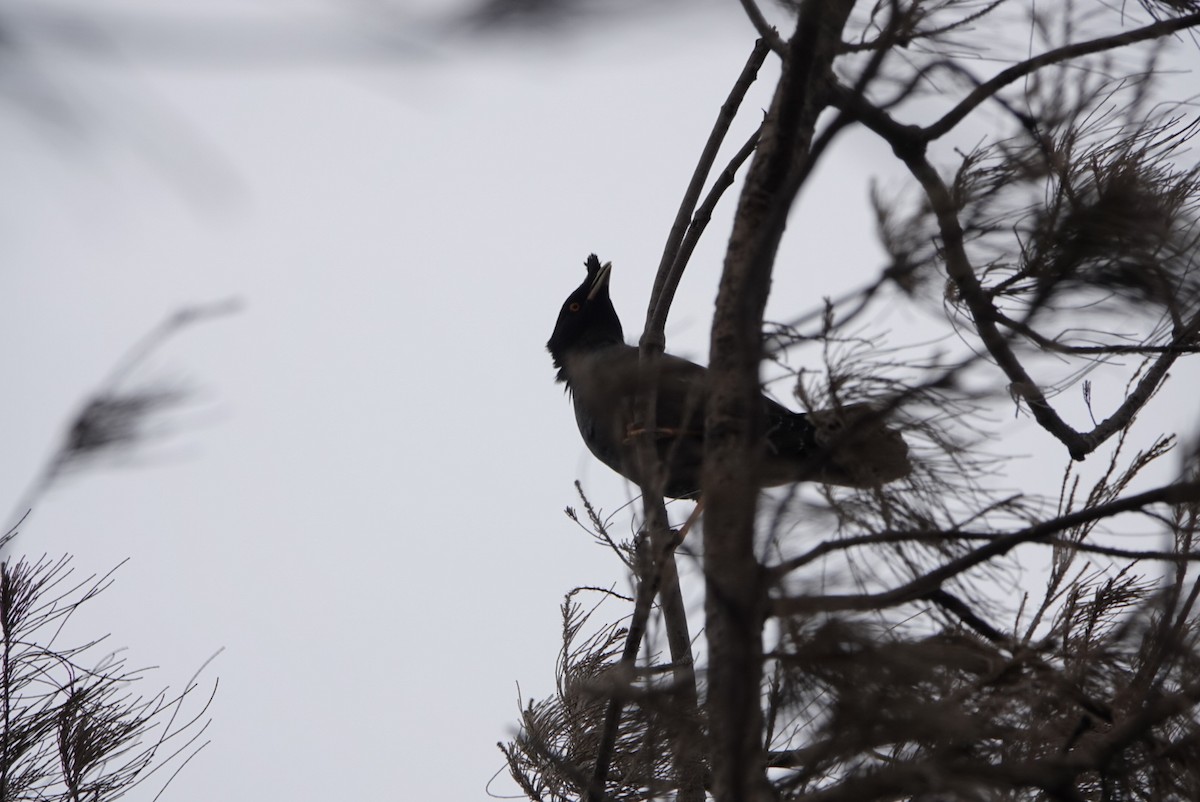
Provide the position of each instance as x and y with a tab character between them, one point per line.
848	446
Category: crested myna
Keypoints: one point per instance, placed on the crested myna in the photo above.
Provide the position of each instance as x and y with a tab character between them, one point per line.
846	446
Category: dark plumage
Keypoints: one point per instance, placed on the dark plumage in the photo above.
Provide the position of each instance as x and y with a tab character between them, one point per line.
848	446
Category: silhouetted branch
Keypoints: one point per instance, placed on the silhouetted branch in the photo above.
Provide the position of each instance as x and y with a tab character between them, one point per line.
766	31
674	260
1180	493
984	91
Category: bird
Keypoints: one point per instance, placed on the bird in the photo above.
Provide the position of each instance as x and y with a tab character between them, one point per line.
849	445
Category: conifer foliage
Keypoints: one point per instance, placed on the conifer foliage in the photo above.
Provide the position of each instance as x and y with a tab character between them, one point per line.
991	627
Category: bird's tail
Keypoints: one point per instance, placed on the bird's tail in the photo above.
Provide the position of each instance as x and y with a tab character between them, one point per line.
849	445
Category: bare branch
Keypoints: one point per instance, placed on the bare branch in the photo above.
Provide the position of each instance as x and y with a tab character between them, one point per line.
984	91
675	257
735	601
766	30
921	587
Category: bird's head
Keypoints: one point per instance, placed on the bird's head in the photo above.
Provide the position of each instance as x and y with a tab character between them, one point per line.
587	319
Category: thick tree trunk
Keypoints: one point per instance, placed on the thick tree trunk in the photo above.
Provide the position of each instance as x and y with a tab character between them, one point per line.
736	598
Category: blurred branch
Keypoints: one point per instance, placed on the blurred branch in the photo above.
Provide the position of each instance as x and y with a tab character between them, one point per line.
657	569
113	416
766	30
735	604
104	34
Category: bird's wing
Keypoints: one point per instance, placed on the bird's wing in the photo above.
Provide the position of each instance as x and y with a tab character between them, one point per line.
606	383
682	395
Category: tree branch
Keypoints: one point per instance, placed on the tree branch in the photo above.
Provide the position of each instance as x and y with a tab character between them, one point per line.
778	572
1005	77
735	602
766	30
1178	345
908	142
644	563
675	257
657	571
923	586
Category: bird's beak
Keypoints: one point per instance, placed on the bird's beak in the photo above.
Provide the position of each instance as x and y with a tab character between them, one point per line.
600	281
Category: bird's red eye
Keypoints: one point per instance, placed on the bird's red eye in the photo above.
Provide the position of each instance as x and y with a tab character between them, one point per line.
574	307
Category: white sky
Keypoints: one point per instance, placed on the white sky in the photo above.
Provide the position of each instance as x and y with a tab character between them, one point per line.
363	503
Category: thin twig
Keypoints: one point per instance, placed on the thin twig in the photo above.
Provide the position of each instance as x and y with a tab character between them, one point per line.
661	572
908	142
922	586
704	213
674	259
946	535
766	30
633	641
959	609
1007	76
1178	346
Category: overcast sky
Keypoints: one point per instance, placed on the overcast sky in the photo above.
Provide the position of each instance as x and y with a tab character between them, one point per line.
361	502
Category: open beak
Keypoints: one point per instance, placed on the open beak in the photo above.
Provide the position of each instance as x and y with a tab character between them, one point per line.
600	281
